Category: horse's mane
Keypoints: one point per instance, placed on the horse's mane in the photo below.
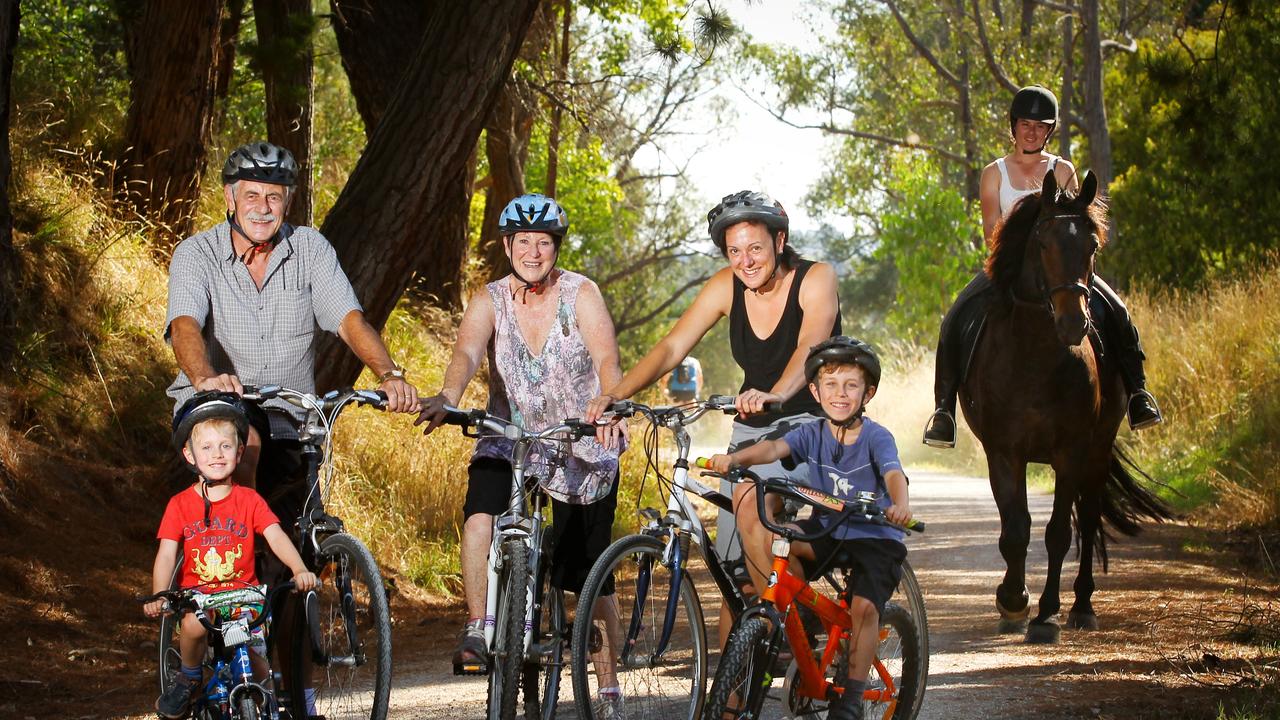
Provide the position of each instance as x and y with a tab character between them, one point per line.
1009	241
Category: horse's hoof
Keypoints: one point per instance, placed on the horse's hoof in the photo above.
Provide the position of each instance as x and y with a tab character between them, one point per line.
1014	616
1009	626
1044	632
1082	620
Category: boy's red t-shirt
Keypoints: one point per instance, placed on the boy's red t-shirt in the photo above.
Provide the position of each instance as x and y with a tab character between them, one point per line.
218	556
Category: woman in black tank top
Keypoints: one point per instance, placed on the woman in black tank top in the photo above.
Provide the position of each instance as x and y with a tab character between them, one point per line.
778	307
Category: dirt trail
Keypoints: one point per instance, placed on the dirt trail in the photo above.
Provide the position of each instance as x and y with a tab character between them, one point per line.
1137	665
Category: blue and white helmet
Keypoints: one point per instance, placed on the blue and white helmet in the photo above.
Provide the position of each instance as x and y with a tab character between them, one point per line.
534	212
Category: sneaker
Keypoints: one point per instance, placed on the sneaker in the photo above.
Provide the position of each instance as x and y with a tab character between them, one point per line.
1143	411
941	431
844	708
175	701
609	707
471	657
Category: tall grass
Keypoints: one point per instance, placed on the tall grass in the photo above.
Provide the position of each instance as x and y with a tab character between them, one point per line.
1213	361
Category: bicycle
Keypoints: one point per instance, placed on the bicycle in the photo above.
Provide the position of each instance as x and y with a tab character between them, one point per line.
663	655
525	620
899	672
341	647
231	693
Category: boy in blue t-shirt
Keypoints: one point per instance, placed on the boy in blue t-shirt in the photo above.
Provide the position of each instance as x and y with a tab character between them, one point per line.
846	453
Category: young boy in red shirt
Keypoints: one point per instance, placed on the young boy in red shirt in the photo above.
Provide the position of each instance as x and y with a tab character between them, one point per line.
214	524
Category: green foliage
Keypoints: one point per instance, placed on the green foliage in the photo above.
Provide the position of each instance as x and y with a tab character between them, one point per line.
69	71
1195	149
927	232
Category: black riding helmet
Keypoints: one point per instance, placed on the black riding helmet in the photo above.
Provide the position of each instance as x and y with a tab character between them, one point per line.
745	206
843	349
1034	103
261	162
207	406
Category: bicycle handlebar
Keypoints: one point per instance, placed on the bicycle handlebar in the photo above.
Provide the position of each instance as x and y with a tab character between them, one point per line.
685	413
863	509
308	401
482	420
184	599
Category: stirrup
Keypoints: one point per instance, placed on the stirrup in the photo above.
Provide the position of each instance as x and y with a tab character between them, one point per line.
935	441
1156	418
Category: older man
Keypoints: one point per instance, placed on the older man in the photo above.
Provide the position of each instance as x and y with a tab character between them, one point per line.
245	299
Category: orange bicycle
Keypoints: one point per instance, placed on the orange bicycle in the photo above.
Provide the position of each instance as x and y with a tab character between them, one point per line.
743	678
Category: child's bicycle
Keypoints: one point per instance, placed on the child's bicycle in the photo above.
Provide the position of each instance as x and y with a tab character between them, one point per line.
230	693
341	640
662	653
898	674
525	623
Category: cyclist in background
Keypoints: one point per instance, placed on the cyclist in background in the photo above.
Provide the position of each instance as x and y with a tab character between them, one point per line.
550	345
685	381
213	524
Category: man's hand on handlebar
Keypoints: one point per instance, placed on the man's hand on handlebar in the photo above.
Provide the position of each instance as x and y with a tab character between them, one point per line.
432	412
222	383
402	396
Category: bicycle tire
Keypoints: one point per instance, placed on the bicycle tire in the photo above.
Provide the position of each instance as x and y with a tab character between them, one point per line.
169	658
507	654
541	675
739	671
248	709
345	643
910	599
671	690
898	654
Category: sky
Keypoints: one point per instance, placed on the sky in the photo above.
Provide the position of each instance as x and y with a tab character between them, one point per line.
758	152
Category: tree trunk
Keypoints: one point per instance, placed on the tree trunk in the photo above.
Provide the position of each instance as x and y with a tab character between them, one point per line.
562	74
383	224
9	18
284	35
1066	95
228	38
377	40
1095	109
170	116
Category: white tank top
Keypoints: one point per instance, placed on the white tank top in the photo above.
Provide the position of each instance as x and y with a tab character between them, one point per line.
1009	196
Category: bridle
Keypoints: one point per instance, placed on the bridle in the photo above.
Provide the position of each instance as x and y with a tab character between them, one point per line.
1076	287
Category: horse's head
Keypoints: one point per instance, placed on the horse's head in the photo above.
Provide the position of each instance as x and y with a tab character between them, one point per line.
1043	254
1066	237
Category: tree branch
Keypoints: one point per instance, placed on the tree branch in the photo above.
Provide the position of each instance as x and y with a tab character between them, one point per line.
920	47
625	324
996	70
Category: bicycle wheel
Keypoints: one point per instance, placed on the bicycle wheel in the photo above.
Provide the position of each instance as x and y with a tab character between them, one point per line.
669	686
170	658
898	659
507	654
740	671
344	649
248	709
545	659
910	599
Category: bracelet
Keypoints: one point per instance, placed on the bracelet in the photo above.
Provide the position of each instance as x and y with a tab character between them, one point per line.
394	372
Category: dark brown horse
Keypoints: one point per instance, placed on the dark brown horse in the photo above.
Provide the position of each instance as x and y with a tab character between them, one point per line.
1037	390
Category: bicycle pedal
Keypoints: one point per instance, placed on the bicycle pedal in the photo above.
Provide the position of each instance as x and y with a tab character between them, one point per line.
471	668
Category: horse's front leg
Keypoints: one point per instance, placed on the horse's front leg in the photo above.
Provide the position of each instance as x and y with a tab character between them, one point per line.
1009	488
1044	628
1089	517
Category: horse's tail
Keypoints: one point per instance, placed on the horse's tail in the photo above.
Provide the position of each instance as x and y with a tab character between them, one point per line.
1125	502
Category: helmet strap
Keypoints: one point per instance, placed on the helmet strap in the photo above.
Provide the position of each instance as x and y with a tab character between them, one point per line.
255	248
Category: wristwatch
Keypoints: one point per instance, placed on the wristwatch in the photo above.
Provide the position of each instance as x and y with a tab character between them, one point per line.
394	372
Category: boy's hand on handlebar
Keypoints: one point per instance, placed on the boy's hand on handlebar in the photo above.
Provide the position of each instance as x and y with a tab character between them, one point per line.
598	406
305	580
156	608
720	463
432	413
752	402
899	514
402	396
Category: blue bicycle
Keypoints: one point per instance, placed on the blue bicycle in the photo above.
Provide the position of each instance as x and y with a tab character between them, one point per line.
230	692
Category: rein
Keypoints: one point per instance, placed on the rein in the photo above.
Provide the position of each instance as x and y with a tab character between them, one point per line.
1045	301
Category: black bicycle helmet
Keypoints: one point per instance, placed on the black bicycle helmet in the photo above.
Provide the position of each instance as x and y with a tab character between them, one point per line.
745	206
261	162
843	349
207	406
534	212
1033	103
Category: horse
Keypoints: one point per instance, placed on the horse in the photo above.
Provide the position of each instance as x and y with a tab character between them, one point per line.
1037	389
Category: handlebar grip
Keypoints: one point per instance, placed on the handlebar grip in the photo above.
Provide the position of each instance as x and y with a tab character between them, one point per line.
580	428
773	406
915	526
702	462
454	416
